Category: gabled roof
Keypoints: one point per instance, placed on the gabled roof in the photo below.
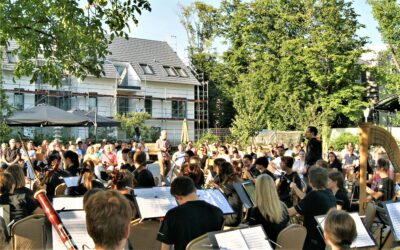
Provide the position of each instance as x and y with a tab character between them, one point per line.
156	54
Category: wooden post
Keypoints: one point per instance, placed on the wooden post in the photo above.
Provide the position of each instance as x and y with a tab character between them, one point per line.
364	145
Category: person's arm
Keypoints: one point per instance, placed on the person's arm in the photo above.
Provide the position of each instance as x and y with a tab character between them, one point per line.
292	211
165	246
16	160
298	192
373	194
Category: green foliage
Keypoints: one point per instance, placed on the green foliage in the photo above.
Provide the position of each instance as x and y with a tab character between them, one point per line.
207	137
339	142
132	120
71	35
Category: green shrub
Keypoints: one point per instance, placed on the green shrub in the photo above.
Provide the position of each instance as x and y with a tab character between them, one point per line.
339	142
207	137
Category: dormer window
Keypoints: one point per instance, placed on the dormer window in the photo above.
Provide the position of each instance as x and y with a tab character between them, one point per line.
146	69
181	72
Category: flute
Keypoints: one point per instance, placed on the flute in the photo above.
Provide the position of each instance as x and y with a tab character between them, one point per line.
55	220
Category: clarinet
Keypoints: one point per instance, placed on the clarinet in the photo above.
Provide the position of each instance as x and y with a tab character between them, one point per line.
55	220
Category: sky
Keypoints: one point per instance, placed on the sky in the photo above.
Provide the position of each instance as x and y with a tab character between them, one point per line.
163	24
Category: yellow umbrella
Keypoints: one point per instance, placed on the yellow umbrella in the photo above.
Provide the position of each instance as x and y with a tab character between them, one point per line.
185	132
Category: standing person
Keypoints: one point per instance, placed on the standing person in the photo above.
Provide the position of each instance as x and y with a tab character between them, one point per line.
11	155
190	219
314	147
108	216
317	202
268	210
163	146
339	230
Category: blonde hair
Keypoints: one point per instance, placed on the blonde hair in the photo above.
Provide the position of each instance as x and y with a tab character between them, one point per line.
267	199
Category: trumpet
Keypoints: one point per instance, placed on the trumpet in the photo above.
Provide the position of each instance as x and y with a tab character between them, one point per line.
55	220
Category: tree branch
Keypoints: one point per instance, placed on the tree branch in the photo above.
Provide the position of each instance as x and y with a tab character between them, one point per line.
36	30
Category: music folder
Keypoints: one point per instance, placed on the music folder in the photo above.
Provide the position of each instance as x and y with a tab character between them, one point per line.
247	203
68	203
393	211
252	238
363	239
156	201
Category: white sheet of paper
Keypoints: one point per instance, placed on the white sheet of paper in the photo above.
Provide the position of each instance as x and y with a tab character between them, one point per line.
255	238
394	214
72	181
231	240
154	202
68	203
75	222
363	238
216	198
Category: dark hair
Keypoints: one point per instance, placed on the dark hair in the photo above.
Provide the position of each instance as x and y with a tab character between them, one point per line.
219	161
383	164
182	186
322	164
248	157
125	151
318	177
227	173
53	156
189	153
288	161
6	182
123	179
140	158
72	156
130	155
338	177
107	211
313	130
263	161
340	228
225	149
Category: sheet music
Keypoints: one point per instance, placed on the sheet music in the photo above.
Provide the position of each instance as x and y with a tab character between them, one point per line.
216	198
68	203
393	210
363	238
75	222
154	202
72	181
255	238
5	213
231	240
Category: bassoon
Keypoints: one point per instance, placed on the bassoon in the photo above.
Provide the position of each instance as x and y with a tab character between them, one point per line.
55	220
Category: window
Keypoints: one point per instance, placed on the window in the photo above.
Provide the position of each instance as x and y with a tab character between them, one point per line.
12	58
123	105
178	109
19	101
170	71
92	102
148	105
147	69
59	99
181	72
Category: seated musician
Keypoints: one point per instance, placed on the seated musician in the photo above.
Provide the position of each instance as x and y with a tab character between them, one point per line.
190	219
21	204
89	180
385	190
108	216
142	176
339	230
54	174
317	202
71	162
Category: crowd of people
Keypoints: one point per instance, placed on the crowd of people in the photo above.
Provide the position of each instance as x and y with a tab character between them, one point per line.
289	181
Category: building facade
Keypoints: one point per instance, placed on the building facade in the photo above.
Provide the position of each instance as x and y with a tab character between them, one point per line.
139	76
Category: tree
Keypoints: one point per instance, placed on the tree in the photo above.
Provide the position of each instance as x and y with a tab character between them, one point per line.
387	13
130	121
61	37
4	111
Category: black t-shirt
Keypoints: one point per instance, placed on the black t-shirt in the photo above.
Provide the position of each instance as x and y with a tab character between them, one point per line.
189	221
144	178
55	180
386	186
336	164
128	166
284	191
81	190
342	199
266	171
317	202
272	229
314	151
254	171
21	204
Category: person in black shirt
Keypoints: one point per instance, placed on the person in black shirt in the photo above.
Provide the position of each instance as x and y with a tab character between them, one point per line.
142	176
336	184
334	162
89	180
21	204
268	210
262	165
190	219
54	174
317	202
71	162
385	189
128	155
250	171
284	190
193	171
314	147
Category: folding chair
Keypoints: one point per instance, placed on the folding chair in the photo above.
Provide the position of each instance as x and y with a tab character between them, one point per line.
143	234
29	233
60	190
292	237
